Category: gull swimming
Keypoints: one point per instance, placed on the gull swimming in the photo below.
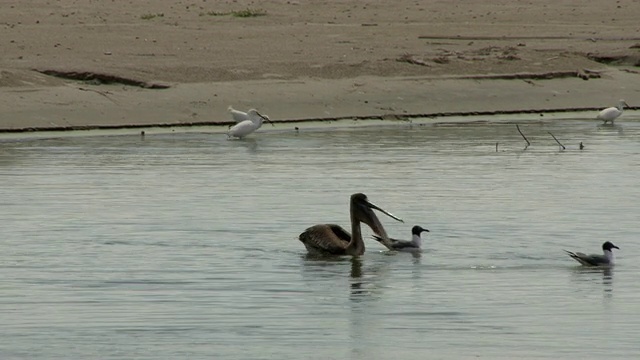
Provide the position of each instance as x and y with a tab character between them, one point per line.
612	113
246	127
331	239
406	245
606	259
239	116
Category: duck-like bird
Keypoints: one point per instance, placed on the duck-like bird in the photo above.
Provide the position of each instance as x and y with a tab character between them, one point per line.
406	245
612	113
246	127
331	239
607	259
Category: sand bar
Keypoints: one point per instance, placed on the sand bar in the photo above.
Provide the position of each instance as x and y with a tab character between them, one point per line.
83	64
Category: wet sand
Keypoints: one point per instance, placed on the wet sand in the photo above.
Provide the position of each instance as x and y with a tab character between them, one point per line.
81	64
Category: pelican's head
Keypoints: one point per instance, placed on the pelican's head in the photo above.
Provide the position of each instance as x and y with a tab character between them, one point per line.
362	210
608	246
622	104
255	115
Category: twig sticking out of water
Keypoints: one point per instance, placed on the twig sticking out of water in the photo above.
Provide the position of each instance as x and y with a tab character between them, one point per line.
554	138
524	137
581	146
496	147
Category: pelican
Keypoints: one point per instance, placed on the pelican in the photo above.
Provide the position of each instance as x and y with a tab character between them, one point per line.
406	245
612	113
331	239
239	116
246	127
595	259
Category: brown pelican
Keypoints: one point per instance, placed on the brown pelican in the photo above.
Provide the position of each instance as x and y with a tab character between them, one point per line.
331	239
406	245
607	259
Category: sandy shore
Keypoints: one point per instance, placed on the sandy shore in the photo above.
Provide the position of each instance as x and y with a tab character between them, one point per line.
79	63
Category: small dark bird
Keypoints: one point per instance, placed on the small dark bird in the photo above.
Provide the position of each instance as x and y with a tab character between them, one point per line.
607	259
406	245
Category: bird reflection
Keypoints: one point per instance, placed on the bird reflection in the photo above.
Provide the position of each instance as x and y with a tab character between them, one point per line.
357	292
417	255
606	273
611	128
356	267
362	285
251	144
607	280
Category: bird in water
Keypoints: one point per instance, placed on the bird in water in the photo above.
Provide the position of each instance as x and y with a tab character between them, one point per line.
607	259
612	113
331	239
246	127
239	116
406	245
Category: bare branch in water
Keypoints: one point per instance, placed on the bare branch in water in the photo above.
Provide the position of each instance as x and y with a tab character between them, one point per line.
496	147
524	137
554	138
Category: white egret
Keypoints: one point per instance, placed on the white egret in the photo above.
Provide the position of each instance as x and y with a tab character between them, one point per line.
239	116
406	245
246	127
612	113
606	259
331	239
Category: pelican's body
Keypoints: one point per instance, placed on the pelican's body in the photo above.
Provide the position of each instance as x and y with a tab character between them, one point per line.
414	244
606	259
612	113
239	116
246	127
331	239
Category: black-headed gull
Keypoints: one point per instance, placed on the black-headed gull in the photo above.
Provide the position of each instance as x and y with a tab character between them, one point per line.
407	245
606	259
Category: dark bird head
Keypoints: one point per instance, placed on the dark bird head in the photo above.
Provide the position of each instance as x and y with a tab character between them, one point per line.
607	246
417	230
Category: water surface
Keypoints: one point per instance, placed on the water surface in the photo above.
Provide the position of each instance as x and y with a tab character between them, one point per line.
177	246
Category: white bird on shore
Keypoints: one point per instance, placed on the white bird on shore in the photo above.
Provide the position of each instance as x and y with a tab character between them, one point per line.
612	113
607	259
405	245
246	127
239	116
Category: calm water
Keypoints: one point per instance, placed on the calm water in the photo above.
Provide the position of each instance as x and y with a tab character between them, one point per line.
184	246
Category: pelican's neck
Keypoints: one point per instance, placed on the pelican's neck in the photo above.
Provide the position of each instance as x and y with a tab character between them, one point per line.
620	106
356	245
610	256
416	240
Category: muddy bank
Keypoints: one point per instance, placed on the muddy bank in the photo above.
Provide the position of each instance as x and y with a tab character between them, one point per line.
167	63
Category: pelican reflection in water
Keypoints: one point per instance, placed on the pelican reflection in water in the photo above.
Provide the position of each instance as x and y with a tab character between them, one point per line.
331	239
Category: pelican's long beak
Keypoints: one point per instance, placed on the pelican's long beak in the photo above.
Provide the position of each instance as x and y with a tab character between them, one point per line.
266	118
374	223
373	206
